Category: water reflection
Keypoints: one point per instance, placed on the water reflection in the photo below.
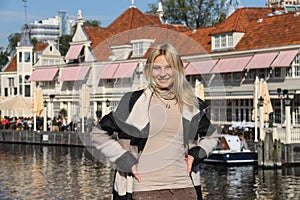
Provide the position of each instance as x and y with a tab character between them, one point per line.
249	182
54	172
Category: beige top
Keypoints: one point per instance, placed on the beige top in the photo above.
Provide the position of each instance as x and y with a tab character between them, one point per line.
162	163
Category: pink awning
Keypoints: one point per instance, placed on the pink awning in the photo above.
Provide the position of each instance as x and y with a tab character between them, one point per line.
227	65
73	52
47	74
185	64
109	71
284	58
125	70
200	67
262	60
77	73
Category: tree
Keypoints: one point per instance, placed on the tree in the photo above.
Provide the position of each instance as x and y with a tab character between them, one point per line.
64	44
192	13
34	41
3	57
63	112
13	40
92	23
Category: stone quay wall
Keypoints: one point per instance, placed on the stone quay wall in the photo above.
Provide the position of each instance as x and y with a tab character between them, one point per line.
46	138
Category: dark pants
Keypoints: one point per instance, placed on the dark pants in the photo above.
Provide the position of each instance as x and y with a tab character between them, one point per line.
167	194
116	196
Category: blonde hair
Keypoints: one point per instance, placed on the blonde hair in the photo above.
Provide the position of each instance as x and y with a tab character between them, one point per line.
182	89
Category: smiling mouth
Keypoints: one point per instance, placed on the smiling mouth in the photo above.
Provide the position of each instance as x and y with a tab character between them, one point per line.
163	79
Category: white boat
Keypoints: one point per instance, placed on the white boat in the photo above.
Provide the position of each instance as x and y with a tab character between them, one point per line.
231	150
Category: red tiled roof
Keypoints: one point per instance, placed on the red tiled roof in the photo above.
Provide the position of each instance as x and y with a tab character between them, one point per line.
130	19
12	66
184	44
240	19
125	28
175	27
202	36
97	34
133	18
272	31
40	46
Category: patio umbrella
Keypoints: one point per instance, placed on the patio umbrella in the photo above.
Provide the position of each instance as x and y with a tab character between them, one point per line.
38	102
267	101
255	110
255	98
199	89
85	105
16	103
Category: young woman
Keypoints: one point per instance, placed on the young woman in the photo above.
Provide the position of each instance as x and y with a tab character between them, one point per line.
158	129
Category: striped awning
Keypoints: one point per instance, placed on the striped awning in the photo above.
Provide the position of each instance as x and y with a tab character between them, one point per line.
73	52
125	70
77	73
285	58
200	67
227	65
109	71
262	60
46	74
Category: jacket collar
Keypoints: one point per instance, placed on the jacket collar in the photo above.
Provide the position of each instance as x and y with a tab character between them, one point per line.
139	117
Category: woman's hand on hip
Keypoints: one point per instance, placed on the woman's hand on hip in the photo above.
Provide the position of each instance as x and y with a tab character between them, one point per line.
135	174
189	163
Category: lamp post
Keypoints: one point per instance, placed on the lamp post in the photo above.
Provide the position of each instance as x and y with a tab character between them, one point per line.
106	105
287	102
261	117
107	102
279	92
51	96
45	116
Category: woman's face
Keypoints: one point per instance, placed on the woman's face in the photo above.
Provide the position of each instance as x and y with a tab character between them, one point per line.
162	73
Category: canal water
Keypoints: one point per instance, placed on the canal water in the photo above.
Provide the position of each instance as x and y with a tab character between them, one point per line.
56	172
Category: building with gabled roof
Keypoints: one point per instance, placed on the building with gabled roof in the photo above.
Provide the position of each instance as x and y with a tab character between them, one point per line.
133	18
226	58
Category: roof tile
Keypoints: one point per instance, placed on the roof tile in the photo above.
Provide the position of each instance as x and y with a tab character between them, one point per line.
272	31
12	66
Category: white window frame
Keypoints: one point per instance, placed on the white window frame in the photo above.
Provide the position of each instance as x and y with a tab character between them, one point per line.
140	46
223	41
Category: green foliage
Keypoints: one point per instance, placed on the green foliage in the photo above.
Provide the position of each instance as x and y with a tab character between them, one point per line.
98	114
3	57
92	23
63	112
192	13
64	44
13	40
54	121
34	41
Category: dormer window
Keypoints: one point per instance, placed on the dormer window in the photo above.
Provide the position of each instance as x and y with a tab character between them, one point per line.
140	47
225	41
230	40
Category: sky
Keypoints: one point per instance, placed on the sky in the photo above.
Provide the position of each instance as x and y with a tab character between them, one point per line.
12	12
